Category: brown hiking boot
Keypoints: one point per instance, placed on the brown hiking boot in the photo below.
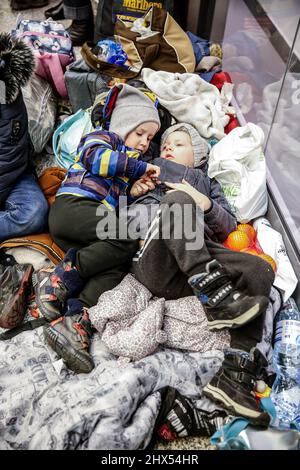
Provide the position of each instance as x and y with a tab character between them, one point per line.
70	337
15	286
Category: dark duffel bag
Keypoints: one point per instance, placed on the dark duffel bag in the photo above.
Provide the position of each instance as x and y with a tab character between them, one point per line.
15	286
83	84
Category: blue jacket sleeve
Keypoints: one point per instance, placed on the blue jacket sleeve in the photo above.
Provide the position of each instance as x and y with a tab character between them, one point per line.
104	154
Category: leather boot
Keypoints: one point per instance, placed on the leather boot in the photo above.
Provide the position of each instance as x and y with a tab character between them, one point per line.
56	12
81	31
27	4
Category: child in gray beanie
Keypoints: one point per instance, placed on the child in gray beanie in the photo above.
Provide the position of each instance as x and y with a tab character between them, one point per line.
184	139
108	162
183	157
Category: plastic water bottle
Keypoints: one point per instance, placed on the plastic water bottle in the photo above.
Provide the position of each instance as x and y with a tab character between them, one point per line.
286	363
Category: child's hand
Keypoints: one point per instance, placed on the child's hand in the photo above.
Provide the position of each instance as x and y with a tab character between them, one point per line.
142	186
152	171
200	199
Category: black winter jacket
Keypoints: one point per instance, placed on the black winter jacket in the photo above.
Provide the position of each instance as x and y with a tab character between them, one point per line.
15	145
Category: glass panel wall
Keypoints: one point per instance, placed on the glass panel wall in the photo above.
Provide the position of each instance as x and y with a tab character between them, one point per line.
283	142
261	51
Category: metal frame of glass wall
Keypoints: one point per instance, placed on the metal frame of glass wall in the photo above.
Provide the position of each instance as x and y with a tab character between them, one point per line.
261	51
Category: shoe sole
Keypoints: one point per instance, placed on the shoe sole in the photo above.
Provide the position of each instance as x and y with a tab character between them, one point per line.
218	395
71	357
39	303
14	313
243	319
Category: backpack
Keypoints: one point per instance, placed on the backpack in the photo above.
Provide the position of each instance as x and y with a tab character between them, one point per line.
159	45
52	47
67	136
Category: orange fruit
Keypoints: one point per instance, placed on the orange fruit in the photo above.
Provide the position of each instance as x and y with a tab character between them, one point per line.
270	260
256	246
247	228
250	251
238	240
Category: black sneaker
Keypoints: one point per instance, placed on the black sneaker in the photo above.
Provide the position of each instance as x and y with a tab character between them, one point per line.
70	336
225	306
179	418
234	386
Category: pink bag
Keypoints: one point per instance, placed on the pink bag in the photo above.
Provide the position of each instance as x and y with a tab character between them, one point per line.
52	67
52	47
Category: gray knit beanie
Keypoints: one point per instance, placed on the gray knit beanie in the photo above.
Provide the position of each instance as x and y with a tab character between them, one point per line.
131	109
199	144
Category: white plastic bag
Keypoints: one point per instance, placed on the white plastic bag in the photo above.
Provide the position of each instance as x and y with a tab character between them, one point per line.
272	244
41	108
238	164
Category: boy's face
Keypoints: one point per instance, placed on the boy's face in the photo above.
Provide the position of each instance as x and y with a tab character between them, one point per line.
178	148
141	137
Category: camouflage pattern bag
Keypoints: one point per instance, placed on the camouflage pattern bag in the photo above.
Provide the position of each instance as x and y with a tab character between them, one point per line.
15	286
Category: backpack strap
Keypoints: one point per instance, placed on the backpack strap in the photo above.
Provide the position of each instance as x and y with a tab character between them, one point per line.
229	431
267	405
30	325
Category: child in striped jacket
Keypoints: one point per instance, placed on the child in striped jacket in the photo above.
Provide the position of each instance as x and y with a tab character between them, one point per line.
107	166
107	162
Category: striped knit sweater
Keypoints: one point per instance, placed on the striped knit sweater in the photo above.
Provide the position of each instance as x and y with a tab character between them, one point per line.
103	170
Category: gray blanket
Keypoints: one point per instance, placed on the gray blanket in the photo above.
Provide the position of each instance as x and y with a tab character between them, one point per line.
43	405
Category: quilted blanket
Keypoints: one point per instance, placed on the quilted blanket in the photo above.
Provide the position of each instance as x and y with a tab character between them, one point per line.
43	405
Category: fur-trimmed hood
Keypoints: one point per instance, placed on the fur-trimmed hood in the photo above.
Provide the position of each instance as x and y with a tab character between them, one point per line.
17	64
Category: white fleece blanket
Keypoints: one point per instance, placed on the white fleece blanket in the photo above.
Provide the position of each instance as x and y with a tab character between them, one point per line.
189	99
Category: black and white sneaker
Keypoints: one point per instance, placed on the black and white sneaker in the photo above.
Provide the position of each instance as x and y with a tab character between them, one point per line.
179	418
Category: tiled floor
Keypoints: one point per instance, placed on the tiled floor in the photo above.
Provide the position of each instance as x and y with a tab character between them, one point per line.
8	20
8	17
